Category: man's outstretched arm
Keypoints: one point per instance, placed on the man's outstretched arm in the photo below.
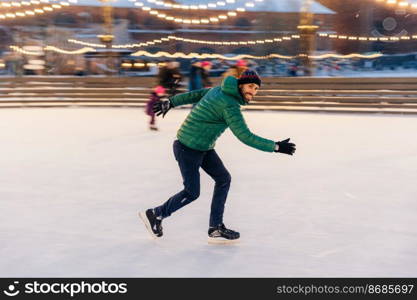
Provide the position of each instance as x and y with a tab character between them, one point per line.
234	119
188	98
163	106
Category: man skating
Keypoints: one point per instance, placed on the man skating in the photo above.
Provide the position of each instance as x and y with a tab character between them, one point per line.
217	108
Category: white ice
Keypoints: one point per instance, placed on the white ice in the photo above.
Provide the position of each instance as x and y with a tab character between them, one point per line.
73	179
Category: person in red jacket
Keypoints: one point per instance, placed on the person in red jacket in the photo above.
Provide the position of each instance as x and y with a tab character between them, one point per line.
156	96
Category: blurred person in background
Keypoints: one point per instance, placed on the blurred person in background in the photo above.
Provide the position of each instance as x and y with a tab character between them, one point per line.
207	65
199	75
293	70
14	62
237	69
170	77
157	94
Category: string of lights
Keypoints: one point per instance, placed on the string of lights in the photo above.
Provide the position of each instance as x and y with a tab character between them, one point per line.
202	56
87	43
17	4
53	48
21	50
352	55
399	3
206	20
249	42
243	56
369	38
210	5
141	65
78	51
229	43
195	55
32	12
170	37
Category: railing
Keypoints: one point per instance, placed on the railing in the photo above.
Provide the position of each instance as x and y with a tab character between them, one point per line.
370	95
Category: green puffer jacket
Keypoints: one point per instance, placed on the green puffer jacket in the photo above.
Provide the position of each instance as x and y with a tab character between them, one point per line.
217	108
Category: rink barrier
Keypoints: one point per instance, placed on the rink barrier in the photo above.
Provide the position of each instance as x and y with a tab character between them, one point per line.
358	95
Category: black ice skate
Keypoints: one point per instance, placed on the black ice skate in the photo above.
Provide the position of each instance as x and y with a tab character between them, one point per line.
153	224
221	235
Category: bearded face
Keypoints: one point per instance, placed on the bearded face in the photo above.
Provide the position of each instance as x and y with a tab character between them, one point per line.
248	91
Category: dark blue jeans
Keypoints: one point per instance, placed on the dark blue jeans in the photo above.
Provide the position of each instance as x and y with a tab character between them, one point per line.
190	161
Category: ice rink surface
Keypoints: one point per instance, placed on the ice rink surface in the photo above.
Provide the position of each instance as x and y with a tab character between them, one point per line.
73	181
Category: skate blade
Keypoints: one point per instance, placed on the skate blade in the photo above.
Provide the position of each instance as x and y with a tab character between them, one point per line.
218	241
145	221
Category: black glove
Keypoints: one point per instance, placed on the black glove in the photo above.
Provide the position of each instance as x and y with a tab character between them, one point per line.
285	147
161	107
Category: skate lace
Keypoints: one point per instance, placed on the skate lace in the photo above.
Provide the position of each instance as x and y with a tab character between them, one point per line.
158	225
226	230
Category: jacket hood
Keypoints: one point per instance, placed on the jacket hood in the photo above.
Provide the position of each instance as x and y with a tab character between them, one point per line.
230	87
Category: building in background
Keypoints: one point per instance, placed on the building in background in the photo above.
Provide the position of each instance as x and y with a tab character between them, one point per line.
83	21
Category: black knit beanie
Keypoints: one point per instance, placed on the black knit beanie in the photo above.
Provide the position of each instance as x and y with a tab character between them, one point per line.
249	76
